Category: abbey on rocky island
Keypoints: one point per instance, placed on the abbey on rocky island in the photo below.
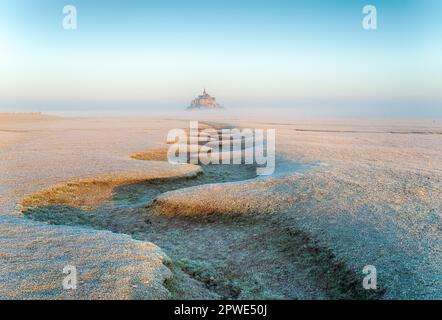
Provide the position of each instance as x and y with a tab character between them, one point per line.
204	101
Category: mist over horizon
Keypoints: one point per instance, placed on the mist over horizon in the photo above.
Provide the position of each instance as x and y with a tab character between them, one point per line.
285	57
319	109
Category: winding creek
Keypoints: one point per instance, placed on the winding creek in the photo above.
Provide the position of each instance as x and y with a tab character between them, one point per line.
217	256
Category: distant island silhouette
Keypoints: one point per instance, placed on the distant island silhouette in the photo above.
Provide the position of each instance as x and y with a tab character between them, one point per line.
203	102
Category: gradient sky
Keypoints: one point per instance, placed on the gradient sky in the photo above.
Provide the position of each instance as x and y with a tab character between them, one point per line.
274	54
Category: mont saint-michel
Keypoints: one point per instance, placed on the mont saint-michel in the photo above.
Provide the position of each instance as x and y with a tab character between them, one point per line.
204	101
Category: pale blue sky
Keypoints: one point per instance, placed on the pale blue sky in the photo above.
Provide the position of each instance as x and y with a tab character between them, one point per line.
276	54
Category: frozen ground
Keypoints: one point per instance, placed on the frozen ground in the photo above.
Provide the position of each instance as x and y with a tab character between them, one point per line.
372	198
46	152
